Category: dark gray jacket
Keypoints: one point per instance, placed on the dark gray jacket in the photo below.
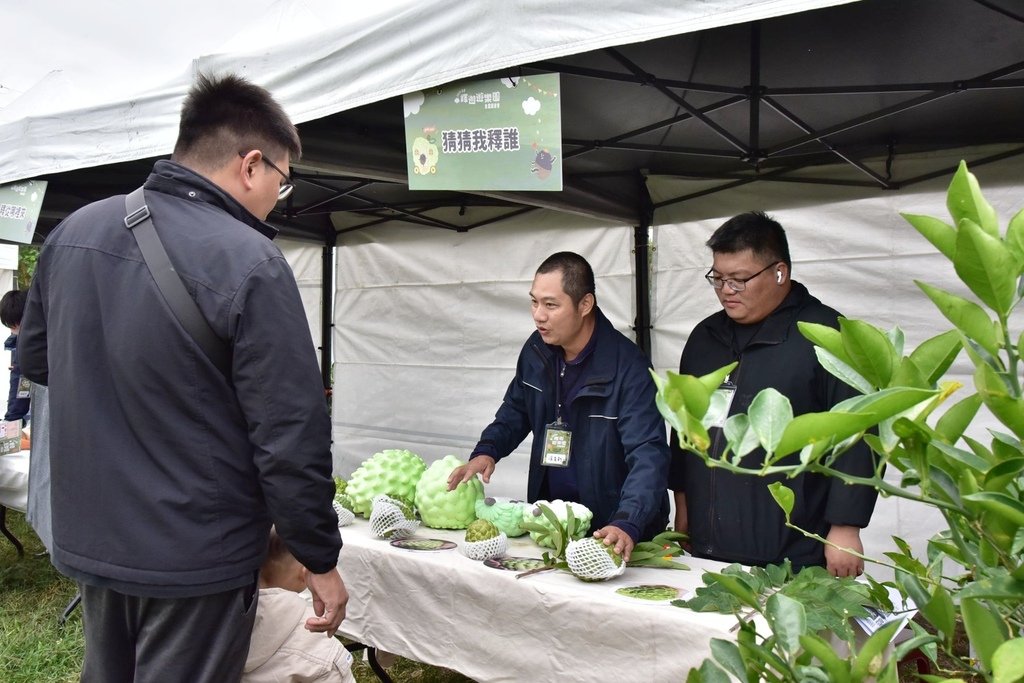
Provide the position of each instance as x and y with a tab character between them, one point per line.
167	474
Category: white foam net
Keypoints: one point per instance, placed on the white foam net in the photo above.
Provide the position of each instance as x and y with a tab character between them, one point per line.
345	516
588	560
388	521
486	549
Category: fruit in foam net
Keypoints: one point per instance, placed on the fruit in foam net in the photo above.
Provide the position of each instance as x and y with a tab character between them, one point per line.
394	472
344	501
481	530
443	509
591	560
581	520
505	514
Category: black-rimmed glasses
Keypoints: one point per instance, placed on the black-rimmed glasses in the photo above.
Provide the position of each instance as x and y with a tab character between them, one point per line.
736	284
286	187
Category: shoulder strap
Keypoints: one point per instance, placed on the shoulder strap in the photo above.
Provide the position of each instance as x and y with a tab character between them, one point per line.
140	223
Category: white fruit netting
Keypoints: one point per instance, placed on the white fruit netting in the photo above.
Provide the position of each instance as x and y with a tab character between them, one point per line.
388	521
485	549
345	516
588	559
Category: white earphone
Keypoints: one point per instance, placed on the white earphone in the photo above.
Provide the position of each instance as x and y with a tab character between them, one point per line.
778	276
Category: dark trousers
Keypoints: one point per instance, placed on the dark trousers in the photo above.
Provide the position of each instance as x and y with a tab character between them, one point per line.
159	640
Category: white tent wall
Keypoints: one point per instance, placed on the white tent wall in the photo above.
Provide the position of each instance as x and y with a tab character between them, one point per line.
429	324
306	260
854	252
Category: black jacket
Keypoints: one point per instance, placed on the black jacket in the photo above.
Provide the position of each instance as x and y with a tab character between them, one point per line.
733	517
166	474
618	439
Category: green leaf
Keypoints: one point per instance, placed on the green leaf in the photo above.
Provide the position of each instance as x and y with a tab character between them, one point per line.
838	669
967	316
1000	476
729	658
934	356
736	588
826	337
1015	237
1008	662
694	394
965	201
769	414
907	374
713	380
870	351
997	588
940	612
842	370
986	266
940	234
783	495
812	428
869	659
897	339
955	421
979	465
887	402
1000	504
741	438
996	397
985	629
788	621
712	673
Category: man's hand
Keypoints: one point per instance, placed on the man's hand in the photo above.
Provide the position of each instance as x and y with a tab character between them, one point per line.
839	562
481	464
329	599
614	536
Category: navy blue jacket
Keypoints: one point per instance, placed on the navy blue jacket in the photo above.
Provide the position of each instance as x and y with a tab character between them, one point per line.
733	517
166	474
619	438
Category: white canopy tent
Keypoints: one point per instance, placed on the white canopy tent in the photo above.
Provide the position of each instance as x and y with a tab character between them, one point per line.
427	322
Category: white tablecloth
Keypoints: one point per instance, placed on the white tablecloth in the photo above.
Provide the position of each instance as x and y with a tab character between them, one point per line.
14	480
447	610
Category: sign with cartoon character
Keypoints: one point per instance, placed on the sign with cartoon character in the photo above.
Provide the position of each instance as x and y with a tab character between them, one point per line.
499	134
20	204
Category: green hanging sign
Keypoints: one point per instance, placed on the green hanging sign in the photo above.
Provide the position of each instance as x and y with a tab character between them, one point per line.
500	134
20	204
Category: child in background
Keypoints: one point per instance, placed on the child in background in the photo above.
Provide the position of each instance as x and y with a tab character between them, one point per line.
282	650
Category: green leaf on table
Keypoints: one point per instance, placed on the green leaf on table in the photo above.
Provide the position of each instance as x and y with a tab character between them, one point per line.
986	266
1008	662
935	355
967	316
941	234
788	621
842	370
769	414
965	201
870	352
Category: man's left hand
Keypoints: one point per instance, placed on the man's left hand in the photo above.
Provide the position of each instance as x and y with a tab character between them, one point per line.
839	562
618	539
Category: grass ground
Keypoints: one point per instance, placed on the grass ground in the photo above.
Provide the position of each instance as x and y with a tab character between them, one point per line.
34	648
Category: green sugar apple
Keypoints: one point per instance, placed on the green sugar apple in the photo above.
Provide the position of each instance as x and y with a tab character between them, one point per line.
581	520
589	559
392	471
480	530
443	509
504	513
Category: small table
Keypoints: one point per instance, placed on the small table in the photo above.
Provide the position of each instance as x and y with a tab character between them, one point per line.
444	609
13	491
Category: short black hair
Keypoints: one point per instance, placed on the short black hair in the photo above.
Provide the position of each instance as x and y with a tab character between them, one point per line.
221	117
12	307
756	231
577	275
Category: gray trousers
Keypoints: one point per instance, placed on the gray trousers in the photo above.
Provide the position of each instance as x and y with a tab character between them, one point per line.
159	640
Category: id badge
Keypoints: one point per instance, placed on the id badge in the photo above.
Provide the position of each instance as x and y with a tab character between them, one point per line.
721	402
557	445
24	387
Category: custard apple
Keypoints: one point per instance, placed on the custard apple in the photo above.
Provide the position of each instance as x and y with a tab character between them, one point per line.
394	472
581	522
443	509
504	513
589	559
480	530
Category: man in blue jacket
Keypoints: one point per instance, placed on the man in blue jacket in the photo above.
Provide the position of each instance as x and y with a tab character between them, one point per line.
581	382
732	517
168	469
